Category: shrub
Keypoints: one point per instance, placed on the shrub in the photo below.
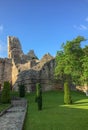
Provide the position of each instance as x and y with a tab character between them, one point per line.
22	90
38	98
0	97
67	95
5	96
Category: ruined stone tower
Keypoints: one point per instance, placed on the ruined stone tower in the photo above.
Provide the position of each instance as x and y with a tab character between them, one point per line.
26	68
14	49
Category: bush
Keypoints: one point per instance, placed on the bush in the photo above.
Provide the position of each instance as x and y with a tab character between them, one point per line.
38	98
67	95
0	97
21	90
5	95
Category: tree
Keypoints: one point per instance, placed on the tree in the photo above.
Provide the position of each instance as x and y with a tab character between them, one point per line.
84	77
85	66
74	54
22	90
67	95
39	96
69	61
5	96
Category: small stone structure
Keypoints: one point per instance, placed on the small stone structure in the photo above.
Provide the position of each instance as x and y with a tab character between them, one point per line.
26	68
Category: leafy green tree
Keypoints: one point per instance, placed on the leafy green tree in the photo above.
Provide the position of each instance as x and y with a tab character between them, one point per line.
5	96
39	96
84	76
74	54
69	61
22	90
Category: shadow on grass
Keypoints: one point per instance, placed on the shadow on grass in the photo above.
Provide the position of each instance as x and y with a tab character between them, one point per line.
81	104
75	118
57	116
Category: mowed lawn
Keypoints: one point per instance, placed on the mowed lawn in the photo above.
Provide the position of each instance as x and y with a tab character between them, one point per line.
55	115
3	106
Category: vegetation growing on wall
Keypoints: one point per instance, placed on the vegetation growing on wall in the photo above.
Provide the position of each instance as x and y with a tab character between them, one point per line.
21	90
5	96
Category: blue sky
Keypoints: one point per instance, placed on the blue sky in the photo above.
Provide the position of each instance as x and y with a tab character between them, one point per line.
42	25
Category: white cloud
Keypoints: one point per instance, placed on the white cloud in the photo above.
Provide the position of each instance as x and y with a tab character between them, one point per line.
86	19
1	28
81	27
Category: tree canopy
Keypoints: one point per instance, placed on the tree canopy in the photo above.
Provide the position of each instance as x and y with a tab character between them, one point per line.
72	61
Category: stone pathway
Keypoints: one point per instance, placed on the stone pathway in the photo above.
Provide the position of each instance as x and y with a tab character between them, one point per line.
13	119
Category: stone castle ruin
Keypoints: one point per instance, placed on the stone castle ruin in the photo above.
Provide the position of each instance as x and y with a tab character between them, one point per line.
27	69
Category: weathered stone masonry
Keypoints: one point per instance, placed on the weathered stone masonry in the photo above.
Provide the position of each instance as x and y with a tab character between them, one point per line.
5	70
20	68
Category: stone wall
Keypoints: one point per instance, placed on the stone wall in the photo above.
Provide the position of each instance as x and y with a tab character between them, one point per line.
20	61
15	72
5	70
26	68
42	72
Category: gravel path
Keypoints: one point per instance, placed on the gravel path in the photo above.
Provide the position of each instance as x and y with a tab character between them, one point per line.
13	119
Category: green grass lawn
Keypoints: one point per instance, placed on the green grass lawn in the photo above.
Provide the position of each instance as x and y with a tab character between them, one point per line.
3	106
55	115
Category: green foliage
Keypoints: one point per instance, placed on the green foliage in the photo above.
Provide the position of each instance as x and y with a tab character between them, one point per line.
38	98
67	95
5	96
84	76
22	90
69	60
60	64
4	106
